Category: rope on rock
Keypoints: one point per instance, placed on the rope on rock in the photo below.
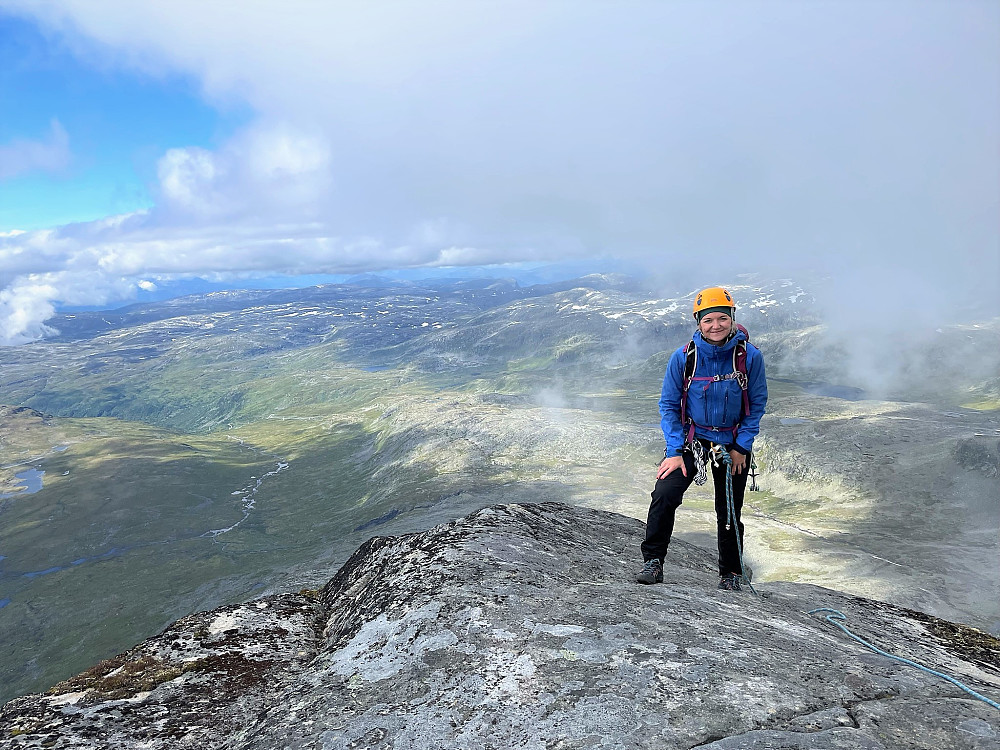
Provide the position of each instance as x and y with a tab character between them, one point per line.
838	618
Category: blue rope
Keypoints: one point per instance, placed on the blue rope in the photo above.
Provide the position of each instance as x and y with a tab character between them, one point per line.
731	519
838	618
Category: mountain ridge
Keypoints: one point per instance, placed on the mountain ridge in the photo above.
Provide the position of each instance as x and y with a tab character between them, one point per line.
520	626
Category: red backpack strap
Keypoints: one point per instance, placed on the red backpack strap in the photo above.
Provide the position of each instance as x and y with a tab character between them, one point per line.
740	368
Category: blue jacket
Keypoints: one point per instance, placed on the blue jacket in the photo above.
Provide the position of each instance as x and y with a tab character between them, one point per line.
719	404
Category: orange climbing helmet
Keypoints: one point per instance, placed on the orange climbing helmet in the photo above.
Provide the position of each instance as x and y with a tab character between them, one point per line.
714	296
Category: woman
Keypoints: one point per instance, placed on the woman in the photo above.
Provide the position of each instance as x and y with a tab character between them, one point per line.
715	410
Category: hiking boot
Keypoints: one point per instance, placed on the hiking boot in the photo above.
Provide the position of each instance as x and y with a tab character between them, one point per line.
730	582
652	572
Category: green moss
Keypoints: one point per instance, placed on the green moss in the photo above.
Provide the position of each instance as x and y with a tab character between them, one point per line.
969	643
989	404
119	678
538	362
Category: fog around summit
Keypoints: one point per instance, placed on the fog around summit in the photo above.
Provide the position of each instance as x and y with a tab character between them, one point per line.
857	142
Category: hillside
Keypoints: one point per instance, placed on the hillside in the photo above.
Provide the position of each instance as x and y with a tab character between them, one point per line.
196	453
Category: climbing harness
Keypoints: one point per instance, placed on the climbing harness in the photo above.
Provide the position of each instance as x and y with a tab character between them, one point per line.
719	453
701	460
838	618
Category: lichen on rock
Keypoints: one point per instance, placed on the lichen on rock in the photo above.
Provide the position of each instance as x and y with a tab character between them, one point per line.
521	626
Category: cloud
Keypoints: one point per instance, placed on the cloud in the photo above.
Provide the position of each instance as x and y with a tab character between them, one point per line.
24	307
853	139
253	208
27	303
266	171
49	154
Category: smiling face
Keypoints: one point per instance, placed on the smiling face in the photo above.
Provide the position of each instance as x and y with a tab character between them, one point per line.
715	327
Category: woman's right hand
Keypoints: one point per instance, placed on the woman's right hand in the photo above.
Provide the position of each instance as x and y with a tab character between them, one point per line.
669	464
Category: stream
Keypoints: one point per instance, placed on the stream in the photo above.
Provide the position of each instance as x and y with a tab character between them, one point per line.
248	493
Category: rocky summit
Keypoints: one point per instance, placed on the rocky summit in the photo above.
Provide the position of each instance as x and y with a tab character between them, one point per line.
521	626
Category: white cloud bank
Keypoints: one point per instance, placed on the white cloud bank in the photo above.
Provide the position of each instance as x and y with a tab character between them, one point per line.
854	138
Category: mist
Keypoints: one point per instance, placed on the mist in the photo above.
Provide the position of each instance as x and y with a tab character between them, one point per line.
690	141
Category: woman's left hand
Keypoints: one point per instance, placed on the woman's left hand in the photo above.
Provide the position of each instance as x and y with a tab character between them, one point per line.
739	461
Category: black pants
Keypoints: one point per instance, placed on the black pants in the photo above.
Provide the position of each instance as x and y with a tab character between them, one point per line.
667	496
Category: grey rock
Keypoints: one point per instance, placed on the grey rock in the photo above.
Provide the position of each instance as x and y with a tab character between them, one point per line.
521	626
978	454
827	739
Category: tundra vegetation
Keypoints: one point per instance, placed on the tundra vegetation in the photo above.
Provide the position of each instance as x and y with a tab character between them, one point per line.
216	448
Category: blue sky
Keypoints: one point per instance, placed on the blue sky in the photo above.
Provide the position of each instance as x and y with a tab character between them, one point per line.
145	144
119	122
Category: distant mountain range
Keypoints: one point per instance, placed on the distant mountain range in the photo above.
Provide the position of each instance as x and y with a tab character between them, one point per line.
525	274
180	455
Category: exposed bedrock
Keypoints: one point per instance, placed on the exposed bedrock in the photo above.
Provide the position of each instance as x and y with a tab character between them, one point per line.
521	626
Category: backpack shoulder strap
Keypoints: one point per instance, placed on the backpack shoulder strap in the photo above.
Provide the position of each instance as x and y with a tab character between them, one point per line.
740	369
690	363
740	357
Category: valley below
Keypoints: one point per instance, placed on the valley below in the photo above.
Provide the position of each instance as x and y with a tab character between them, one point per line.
212	449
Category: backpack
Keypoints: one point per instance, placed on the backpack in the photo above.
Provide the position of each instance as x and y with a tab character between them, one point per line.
739	374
